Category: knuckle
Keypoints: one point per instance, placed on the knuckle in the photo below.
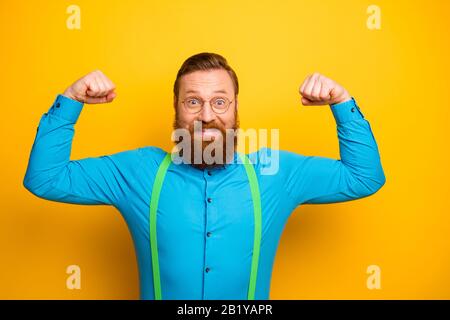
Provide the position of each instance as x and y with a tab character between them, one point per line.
90	78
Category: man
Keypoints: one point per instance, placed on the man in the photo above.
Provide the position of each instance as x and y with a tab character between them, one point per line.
206	212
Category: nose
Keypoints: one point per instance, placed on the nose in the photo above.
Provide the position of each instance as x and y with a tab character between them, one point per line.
207	114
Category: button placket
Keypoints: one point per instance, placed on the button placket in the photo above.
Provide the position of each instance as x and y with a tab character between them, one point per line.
208	200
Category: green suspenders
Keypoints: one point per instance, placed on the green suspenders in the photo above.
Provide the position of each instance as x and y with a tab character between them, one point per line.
157	184
254	188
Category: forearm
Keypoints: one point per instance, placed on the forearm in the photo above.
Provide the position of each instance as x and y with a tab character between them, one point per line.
51	149
357	174
362	170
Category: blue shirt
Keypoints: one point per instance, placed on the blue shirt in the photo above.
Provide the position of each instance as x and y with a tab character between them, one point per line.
205	221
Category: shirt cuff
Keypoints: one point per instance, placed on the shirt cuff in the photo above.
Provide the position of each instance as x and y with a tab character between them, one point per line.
66	108
346	111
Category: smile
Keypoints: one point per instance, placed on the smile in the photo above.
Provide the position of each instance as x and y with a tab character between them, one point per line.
211	133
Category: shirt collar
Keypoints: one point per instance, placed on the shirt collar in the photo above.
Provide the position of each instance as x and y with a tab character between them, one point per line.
225	166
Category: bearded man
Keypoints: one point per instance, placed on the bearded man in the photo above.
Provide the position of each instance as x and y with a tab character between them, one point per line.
206	227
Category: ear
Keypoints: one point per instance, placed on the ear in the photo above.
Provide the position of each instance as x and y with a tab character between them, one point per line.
175	102
237	103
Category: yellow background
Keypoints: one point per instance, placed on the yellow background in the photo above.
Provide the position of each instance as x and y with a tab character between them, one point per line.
398	75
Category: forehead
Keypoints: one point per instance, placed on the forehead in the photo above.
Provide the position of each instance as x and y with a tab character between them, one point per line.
206	82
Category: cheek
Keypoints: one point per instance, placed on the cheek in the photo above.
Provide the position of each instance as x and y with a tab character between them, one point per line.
227	120
185	119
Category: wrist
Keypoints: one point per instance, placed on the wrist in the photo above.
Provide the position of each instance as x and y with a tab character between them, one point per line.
66	108
68	94
344	98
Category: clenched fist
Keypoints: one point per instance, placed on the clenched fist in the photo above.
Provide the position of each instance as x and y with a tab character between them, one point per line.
318	90
92	88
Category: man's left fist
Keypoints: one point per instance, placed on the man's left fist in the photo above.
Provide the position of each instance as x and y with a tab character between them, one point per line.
318	90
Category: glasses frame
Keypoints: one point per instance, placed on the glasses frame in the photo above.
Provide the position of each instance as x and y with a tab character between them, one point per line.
203	104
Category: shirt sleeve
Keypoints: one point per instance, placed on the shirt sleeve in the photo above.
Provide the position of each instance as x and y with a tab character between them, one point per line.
53	176
357	174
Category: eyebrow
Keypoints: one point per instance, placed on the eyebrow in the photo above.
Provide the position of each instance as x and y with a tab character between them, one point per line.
217	91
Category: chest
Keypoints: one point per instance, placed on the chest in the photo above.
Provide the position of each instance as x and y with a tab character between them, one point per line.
193	203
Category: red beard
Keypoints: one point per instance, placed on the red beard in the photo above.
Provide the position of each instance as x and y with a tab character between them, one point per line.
224	147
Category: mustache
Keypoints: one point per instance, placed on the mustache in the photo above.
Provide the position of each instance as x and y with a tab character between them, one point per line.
225	148
210	125
200	126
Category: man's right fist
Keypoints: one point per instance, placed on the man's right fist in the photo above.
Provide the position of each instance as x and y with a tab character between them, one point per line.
92	88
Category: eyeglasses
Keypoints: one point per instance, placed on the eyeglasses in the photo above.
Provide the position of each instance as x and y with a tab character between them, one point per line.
195	105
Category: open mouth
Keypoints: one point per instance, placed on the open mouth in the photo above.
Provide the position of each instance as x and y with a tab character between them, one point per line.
211	134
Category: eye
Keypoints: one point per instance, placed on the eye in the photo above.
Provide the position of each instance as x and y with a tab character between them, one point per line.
220	102
193	102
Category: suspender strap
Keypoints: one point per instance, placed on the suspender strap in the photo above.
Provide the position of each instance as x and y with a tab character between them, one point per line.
157	184
256	198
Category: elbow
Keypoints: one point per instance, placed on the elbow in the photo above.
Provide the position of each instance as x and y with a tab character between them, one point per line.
380	184
41	185
375	184
28	185
34	187
367	186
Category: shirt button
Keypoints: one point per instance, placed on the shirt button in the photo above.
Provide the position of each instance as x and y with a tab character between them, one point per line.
209	173
353	110
208	234
209	200
207	270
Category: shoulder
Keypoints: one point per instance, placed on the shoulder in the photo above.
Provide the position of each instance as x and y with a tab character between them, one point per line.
151	155
270	161
265	160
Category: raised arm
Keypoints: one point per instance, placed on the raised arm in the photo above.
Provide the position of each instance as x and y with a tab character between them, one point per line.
358	173
52	175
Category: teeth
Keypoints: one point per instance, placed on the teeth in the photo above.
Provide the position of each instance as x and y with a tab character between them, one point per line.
213	133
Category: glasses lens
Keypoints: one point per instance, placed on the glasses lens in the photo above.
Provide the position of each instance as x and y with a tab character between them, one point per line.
193	105
220	105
